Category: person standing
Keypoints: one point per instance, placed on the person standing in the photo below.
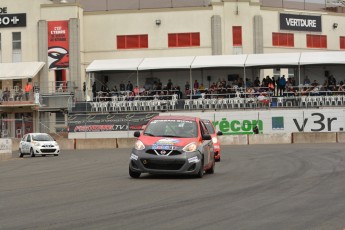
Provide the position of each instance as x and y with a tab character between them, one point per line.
28	89
84	90
94	91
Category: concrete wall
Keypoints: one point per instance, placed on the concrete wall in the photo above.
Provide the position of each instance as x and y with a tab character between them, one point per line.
277	138
301	138
95	144
112	143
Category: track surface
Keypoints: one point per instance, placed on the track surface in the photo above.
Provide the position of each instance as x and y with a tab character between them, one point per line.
254	187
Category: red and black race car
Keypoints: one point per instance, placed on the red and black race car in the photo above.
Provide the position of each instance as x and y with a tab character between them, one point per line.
173	145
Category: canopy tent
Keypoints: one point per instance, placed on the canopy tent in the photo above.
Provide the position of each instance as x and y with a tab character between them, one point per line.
268	60
243	60
272	59
319	58
19	70
219	61
114	64
167	63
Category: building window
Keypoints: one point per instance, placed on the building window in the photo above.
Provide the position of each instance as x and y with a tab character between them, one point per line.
132	41
342	43
316	41
237	35
184	39
283	39
16	47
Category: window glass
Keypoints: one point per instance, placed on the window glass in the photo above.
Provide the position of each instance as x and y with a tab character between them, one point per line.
172	128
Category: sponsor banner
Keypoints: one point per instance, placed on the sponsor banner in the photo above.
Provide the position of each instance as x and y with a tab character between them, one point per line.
12	20
275	120
108	122
230	122
298	22
58	49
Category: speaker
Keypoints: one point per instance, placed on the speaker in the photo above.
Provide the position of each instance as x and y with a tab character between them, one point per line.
326	73
208	78
106	78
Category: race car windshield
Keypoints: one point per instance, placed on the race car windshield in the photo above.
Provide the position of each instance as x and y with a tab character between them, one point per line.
42	138
172	128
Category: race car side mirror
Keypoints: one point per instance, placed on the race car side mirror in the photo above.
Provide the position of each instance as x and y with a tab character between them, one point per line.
206	137
136	134
219	133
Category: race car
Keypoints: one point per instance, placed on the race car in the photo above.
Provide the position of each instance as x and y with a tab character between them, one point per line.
215	139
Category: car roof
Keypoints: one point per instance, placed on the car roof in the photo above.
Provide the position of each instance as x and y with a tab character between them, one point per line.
185	118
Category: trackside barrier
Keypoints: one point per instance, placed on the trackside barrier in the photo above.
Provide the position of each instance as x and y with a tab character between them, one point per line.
277	138
305	138
5	149
108	143
7	146
341	137
234	139
125	142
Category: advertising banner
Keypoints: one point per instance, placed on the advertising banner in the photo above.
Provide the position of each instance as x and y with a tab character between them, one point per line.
108	122
299	22
12	20
58	49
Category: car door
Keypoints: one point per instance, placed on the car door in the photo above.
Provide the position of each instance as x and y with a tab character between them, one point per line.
22	144
28	144
207	145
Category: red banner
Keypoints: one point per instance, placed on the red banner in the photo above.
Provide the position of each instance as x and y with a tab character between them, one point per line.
58	50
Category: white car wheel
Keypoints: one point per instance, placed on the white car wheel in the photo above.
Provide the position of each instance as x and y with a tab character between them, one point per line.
32	154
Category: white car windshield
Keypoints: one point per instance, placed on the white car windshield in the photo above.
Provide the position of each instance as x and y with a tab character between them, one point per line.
172	128
42	137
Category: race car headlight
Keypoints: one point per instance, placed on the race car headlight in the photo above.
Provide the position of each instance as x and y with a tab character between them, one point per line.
193	160
36	143
138	145
214	140
191	147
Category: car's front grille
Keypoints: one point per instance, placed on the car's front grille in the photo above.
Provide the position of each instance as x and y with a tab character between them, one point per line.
48	150
48	146
163	152
162	164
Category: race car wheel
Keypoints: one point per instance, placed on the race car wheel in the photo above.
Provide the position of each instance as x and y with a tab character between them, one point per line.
201	170
32	154
134	174
211	170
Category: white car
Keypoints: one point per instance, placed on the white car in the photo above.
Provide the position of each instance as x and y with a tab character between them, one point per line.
38	144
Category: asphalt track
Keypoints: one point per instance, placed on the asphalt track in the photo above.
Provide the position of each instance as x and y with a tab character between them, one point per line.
254	187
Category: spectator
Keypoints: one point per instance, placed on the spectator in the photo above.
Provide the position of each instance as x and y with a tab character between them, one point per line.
129	86
84	90
28	89
306	81
122	86
6	94
169	85
196	84
19	94
282	85
94	91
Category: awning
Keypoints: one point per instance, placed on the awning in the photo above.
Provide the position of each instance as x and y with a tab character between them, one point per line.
219	61
317	58
273	59
114	64
167	63
19	70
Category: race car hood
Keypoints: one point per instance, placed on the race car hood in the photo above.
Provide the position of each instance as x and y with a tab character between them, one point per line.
167	141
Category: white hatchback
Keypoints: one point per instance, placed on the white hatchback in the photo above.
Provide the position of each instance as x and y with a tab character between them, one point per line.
38	144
